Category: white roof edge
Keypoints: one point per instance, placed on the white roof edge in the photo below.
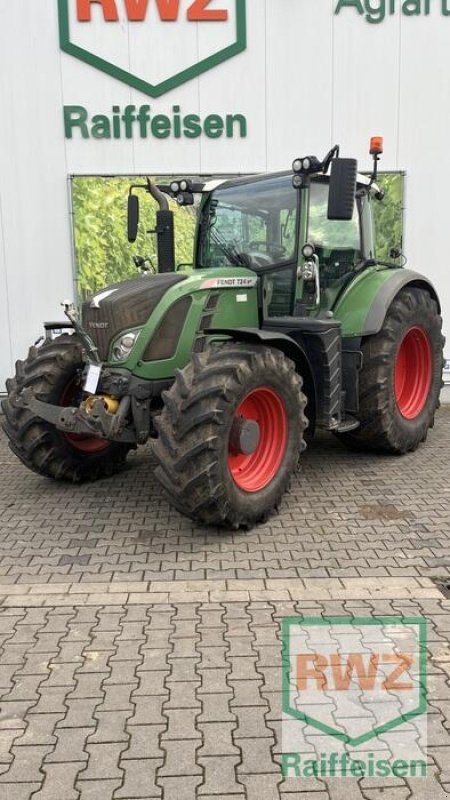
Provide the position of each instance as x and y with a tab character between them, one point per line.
210	186
365	181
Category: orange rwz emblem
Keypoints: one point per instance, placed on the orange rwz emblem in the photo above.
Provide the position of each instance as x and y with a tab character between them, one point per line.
337	674
136	10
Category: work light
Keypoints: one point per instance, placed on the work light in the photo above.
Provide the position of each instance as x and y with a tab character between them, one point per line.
308	164
308	250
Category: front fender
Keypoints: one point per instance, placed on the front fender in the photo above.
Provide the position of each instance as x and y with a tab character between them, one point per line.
363	306
286	344
291	349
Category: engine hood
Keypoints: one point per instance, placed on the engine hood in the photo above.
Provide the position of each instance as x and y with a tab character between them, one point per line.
124	305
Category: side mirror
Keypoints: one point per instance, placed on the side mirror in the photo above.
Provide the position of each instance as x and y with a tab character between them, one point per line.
133	217
341	197
165	229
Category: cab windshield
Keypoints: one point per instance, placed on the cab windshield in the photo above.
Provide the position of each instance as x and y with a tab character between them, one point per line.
251	224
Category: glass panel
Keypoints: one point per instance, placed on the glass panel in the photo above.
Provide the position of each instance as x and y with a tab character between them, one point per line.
337	243
250	224
388	215
288	220
332	235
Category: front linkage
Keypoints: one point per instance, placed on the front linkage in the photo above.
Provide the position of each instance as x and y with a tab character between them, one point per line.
107	413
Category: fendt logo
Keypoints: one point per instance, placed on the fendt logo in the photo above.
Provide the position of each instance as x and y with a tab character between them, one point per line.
153	45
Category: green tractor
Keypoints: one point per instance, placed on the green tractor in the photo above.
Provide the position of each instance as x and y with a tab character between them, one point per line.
288	323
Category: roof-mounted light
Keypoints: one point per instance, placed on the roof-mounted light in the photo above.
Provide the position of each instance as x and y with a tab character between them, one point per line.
307	165
376	149
376	146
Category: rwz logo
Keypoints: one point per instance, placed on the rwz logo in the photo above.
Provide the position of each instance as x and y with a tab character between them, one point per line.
136	10
142	40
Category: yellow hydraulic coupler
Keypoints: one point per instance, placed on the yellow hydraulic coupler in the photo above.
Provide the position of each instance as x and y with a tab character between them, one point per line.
110	403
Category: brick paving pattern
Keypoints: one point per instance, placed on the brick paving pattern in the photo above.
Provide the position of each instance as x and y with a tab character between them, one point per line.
166	701
348	514
140	657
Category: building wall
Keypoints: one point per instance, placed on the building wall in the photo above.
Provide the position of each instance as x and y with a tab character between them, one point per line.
308	78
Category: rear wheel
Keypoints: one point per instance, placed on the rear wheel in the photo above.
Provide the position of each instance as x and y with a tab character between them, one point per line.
230	434
53	372
401	378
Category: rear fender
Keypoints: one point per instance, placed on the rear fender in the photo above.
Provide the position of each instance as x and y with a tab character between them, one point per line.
363	306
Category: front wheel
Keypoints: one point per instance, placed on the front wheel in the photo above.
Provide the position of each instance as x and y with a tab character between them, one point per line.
401	378
230	434
53	373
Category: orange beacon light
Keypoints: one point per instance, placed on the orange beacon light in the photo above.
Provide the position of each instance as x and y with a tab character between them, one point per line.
376	145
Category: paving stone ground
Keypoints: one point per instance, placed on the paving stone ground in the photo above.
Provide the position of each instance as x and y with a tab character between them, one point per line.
140	657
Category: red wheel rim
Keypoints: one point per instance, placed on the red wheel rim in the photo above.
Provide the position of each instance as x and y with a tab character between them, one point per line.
413	373
254	472
85	444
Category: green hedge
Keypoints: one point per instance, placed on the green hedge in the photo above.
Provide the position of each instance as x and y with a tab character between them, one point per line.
103	253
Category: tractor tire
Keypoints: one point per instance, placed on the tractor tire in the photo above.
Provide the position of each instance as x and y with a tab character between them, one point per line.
53	372
217	464
401	377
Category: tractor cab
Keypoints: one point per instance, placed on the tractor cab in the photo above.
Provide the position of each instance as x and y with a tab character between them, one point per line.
304	258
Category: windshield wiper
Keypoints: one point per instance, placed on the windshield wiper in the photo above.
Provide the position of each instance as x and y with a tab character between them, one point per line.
234	257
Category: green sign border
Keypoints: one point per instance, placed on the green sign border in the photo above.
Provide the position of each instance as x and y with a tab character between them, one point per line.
287	624
154	90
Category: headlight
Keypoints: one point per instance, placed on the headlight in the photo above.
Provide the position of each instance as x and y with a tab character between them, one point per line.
123	346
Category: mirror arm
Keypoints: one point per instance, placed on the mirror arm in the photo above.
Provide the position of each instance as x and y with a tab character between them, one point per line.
334	153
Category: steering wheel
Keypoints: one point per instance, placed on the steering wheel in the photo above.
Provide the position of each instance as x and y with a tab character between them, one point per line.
261	259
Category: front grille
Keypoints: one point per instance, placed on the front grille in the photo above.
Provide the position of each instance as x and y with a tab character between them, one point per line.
129	305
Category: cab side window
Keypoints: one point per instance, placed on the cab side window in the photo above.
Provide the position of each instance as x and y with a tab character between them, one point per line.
337	243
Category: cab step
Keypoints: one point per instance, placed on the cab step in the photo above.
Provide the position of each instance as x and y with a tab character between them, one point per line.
348	424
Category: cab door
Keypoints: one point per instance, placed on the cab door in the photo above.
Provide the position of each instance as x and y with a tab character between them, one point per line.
338	245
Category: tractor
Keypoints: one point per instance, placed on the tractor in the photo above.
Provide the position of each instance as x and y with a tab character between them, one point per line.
288	323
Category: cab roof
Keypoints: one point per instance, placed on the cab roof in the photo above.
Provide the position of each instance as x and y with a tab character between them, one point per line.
223	183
